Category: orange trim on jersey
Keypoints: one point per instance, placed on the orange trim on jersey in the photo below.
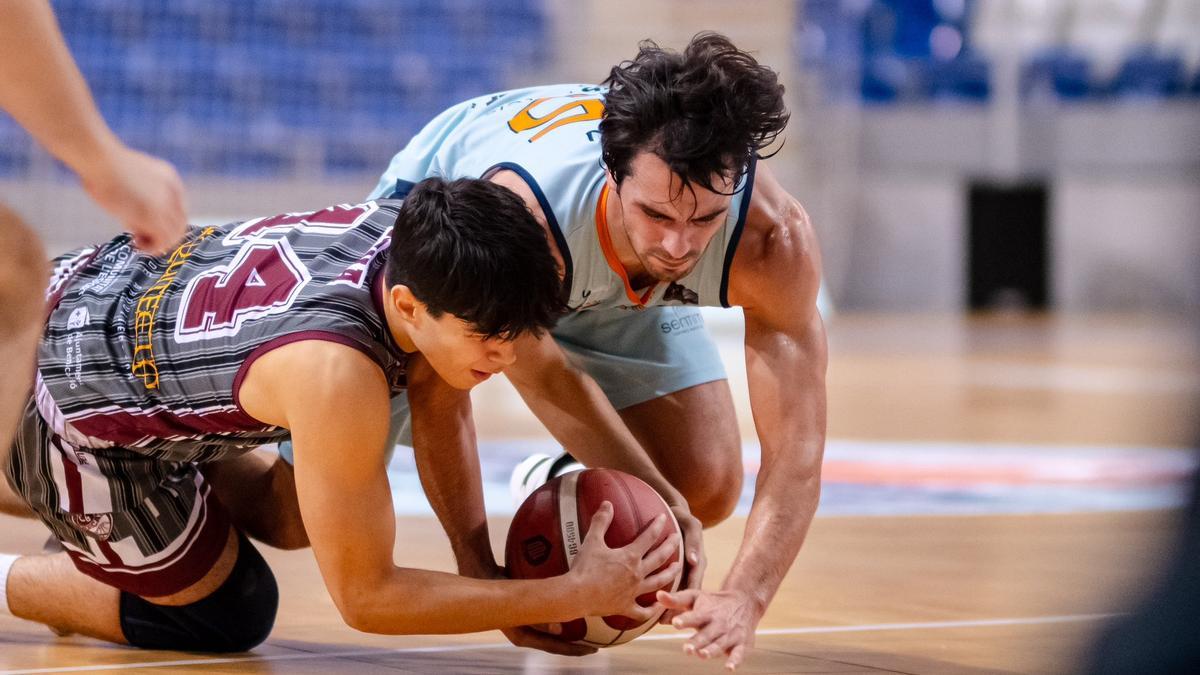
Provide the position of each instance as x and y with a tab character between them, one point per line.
610	253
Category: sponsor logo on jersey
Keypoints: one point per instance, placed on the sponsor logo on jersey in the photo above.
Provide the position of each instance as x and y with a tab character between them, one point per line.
684	324
78	318
146	311
679	293
73	353
96	525
112	264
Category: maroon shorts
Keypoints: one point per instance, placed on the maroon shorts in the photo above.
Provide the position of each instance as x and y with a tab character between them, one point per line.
140	524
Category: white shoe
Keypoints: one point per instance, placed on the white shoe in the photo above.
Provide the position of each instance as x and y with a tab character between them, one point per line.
535	471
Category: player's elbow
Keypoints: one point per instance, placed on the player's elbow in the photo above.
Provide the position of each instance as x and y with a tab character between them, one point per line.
350	594
356	618
367	618
356	612
357	601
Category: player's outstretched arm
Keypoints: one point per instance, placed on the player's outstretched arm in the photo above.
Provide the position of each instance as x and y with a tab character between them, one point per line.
775	278
334	400
580	417
447	461
42	88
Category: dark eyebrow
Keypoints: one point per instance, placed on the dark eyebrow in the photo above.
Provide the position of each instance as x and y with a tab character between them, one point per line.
651	212
658	214
714	214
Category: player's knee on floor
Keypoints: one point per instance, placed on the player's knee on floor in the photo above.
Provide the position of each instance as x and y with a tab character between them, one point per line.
234	618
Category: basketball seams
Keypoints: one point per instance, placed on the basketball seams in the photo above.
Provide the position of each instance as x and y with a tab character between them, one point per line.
567	502
623	480
637	513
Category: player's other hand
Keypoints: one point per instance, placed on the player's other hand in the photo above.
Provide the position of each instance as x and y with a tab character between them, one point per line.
609	580
542	637
724	622
143	192
533	637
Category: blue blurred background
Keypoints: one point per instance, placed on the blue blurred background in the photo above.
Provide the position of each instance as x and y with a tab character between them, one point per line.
908	114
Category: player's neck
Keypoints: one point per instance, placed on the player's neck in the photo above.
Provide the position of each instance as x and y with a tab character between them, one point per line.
391	317
619	238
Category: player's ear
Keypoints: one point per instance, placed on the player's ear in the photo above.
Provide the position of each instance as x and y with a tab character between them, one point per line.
611	179
405	302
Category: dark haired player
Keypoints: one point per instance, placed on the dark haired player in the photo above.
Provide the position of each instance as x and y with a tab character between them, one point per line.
654	201
155	373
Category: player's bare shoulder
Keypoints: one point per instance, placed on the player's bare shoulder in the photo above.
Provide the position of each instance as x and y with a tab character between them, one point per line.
308	372
777	256
513	181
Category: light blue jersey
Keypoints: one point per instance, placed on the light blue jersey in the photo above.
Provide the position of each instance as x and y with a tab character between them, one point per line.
550	137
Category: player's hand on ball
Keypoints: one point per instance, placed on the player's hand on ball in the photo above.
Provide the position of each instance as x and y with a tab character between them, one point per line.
724	621
612	578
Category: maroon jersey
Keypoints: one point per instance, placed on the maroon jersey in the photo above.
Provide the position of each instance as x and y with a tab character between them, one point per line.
149	352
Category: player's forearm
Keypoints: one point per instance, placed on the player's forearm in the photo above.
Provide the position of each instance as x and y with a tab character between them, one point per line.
412	601
786	376
785	501
578	415
447	459
42	88
459	509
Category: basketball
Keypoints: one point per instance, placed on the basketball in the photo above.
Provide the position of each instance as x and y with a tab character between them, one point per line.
550	526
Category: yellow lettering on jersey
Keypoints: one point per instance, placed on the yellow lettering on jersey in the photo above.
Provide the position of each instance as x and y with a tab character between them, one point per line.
146	310
576	109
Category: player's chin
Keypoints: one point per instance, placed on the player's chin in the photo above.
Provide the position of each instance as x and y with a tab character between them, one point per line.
474	377
670	277
461	379
666	275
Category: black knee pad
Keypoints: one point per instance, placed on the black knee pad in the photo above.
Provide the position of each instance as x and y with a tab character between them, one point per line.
236	617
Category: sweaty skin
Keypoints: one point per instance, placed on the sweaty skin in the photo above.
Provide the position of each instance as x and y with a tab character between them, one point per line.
335	402
659	232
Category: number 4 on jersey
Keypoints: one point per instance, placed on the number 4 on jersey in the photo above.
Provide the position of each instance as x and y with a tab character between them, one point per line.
264	278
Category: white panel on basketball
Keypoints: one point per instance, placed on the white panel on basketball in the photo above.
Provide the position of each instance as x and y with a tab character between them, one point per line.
599	633
568	515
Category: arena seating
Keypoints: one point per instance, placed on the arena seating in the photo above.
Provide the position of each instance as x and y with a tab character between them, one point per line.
229	87
886	52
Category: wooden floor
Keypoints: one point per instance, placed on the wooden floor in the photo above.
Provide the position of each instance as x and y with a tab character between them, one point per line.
892	593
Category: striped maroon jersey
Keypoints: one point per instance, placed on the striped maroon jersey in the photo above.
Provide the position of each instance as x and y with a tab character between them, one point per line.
148	352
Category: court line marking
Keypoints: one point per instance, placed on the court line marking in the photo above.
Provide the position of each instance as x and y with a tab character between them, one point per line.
808	630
